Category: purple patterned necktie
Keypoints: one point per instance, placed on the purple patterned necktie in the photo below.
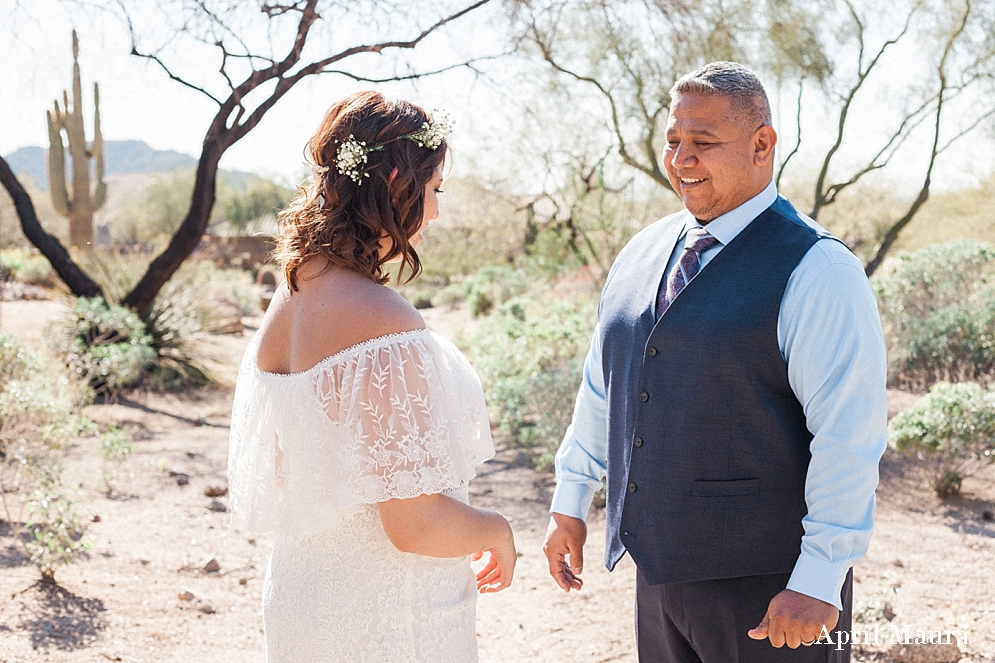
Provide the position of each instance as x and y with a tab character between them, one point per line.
698	241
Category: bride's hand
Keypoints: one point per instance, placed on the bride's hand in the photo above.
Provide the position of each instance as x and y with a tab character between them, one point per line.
497	573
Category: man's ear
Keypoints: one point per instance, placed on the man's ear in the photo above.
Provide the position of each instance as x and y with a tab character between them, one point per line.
764	141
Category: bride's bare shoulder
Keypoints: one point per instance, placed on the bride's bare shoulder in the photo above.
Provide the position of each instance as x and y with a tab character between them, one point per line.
379	310
328	314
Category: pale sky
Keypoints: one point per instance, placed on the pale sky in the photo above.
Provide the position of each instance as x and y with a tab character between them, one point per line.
139	102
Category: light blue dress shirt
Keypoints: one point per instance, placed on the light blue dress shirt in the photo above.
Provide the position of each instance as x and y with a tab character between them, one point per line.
829	333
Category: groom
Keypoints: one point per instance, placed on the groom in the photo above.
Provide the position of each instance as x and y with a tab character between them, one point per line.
734	394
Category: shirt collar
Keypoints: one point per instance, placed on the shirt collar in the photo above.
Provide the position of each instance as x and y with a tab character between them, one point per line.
725	228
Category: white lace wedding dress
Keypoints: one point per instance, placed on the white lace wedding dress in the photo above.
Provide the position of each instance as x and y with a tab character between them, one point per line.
312	453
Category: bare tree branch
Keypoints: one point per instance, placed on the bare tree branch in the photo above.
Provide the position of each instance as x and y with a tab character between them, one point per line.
798	134
233	121
862	74
653	170
468	64
892	233
181	81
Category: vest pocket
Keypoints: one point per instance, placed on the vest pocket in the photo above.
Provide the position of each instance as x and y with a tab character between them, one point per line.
702	488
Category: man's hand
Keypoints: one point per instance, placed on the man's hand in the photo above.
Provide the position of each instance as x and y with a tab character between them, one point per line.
565	540
793	619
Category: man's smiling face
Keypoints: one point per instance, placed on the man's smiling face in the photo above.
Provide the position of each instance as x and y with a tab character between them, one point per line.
715	159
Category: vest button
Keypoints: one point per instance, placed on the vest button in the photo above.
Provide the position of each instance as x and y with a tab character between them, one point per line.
651	351
632	488
638	441
644	397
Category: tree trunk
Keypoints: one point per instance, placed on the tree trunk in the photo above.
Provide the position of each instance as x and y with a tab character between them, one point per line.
187	236
75	278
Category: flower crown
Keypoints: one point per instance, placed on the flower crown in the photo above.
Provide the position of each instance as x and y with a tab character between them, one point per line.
352	154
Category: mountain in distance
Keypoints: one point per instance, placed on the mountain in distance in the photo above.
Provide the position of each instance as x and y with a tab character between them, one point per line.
120	157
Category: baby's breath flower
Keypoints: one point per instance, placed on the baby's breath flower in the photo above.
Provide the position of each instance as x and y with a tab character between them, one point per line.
350	157
440	124
352	154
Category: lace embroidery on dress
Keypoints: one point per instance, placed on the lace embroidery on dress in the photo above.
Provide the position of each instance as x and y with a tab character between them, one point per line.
394	417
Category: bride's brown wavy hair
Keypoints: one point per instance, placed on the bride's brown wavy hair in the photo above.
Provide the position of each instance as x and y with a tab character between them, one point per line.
347	226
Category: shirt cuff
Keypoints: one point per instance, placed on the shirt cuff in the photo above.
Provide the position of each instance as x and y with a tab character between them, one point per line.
819	579
572	499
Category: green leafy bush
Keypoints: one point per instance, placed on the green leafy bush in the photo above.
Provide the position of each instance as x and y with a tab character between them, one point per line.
55	530
38	417
115	447
529	354
938	311
951	432
105	345
485	289
199	300
26	267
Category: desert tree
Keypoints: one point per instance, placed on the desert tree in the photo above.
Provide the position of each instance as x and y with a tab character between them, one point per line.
260	51
834	54
629	54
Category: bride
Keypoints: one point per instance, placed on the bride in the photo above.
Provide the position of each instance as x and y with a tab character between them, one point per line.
355	430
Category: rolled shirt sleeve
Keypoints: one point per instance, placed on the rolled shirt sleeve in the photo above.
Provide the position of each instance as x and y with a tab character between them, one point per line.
582	456
830	334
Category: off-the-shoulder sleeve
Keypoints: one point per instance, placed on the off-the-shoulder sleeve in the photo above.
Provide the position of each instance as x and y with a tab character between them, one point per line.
395	418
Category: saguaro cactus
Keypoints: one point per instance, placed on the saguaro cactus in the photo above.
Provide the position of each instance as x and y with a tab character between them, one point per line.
79	207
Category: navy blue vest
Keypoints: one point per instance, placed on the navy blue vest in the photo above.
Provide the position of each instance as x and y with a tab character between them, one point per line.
708	447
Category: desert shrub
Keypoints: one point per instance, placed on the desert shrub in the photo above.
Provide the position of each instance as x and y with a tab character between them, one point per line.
194	304
242	202
150	212
105	345
950	432
115	447
199	300
236	284
529	354
16	360
481	225
38	417
26	267
485	289
55	529
938	311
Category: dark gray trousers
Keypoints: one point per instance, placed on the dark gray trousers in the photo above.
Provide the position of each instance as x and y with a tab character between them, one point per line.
707	622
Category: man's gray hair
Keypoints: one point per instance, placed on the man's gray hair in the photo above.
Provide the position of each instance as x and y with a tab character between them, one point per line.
733	81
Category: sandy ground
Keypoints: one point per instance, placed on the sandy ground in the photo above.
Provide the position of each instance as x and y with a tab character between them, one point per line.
930	563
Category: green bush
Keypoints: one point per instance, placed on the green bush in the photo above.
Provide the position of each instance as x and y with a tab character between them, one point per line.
485	289
38	417
115	447
197	301
105	345
236	283
950	432
55	530
529	355
16	360
938	311
26	267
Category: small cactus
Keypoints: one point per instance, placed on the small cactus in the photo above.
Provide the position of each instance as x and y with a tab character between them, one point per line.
79	207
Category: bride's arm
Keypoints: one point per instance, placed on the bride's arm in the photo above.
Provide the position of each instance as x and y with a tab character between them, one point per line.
440	526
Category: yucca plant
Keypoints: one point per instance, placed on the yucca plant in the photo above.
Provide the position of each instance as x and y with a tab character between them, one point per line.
105	346
200	300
